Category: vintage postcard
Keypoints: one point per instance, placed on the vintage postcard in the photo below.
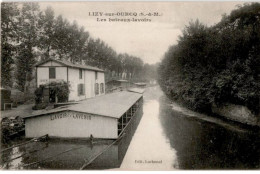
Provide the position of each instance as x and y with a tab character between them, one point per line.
130	85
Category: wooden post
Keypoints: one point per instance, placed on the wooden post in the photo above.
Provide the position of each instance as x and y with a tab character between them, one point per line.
127	116
122	122
119	127
134	107
125	119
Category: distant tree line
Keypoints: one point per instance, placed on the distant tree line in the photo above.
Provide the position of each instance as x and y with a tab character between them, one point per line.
216	65
30	35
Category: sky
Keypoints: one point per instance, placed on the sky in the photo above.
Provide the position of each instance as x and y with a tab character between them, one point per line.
147	40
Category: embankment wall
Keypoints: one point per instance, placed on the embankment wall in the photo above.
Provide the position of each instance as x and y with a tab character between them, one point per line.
237	113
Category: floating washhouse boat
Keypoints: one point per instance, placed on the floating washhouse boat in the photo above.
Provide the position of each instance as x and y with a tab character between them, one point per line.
115	85
137	90
140	85
103	117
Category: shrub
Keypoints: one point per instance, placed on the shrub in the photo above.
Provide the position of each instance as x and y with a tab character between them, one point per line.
61	90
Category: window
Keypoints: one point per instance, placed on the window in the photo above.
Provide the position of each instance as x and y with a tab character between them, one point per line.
80	73
102	88
96	88
52	73
81	89
96	75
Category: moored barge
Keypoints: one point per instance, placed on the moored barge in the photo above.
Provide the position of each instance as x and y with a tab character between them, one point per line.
103	117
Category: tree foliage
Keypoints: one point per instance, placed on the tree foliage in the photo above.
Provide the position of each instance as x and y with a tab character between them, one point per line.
30	35
217	64
9	14
28	39
61	90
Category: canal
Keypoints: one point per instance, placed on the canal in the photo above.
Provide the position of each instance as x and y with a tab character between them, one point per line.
168	137
172	137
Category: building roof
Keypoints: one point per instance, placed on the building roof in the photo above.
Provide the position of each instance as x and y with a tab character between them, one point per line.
124	81
109	105
140	84
70	64
137	90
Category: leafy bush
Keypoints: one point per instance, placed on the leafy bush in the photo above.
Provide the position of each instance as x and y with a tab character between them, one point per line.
216	65
39	94
61	90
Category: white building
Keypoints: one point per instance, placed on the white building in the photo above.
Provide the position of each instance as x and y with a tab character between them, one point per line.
104	117
85	81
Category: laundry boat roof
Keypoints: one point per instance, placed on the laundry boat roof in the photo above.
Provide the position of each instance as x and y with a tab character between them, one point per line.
109	105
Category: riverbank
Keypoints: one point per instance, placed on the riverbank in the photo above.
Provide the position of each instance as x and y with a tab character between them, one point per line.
237	113
214	118
224	116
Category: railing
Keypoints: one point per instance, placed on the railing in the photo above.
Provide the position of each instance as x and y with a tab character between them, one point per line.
126	118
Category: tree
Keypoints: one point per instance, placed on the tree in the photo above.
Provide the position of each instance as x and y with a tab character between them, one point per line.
47	32
61	38
9	13
28	37
216	65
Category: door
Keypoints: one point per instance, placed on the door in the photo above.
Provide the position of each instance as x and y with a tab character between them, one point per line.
52	95
46	95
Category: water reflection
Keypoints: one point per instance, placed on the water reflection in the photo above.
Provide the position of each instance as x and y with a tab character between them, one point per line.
150	148
204	145
48	155
11	158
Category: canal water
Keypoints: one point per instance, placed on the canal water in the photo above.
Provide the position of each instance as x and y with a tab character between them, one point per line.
177	138
168	137
150	148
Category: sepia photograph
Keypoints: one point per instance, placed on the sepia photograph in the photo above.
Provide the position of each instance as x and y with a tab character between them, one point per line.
130	86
